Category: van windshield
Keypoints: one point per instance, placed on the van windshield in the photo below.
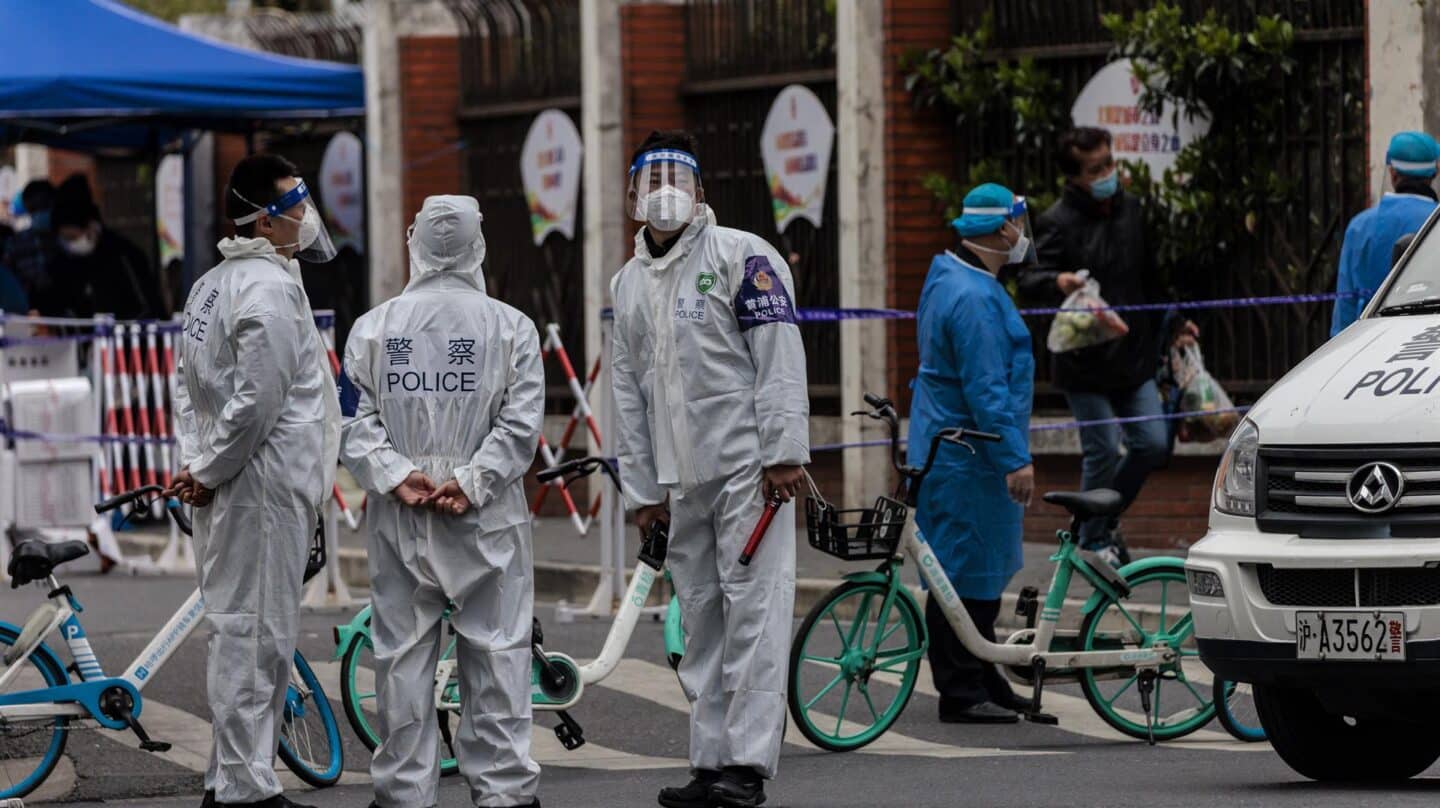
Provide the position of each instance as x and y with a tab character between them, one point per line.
1417	288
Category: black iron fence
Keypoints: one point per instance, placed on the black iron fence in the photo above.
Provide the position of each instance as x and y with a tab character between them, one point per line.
1323	154
332	36
518	58
740	54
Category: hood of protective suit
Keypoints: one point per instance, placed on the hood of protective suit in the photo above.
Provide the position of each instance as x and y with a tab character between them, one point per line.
243	247
446	240
704	217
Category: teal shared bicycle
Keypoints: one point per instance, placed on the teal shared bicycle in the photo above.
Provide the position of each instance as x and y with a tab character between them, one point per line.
856	658
40	704
557	681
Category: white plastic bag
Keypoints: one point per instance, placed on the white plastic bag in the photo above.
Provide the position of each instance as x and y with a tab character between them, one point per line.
1200	393
1085	320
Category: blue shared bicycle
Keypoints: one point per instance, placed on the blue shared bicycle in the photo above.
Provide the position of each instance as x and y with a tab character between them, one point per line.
40	703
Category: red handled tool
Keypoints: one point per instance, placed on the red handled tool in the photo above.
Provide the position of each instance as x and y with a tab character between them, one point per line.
760	530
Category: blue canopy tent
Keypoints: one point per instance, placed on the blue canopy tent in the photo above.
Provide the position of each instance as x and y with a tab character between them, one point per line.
95	75
91	74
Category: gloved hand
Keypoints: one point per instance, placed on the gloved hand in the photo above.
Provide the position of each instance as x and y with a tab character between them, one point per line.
652	513
783	481
189	490
415	489
449	499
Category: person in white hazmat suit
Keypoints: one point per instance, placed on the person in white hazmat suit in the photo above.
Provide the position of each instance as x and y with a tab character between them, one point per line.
451	392
711	401
259	430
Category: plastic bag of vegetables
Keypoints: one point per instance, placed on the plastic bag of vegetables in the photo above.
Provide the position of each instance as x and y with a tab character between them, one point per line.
1200	393
1085	319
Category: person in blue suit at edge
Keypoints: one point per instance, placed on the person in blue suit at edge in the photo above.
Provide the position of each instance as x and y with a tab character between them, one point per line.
1367	253
976	371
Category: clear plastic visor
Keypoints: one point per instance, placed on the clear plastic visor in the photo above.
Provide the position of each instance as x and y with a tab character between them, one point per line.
662	184
311	239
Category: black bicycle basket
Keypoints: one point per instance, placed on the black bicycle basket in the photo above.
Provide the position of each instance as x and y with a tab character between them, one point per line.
857	534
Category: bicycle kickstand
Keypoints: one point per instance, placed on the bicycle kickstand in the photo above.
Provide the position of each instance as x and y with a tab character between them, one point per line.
1146	686
1034	714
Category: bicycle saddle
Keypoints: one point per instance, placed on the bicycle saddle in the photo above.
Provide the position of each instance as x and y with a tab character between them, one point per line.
35	558
1087	504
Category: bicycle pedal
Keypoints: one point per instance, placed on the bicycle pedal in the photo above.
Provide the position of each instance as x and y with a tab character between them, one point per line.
155	746
1045	719
569	732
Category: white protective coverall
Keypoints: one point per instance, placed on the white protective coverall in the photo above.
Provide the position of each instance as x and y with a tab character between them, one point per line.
451	383
710	390
259	423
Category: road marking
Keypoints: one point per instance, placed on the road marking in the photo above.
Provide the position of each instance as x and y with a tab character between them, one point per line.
657	683
1079	718
545	748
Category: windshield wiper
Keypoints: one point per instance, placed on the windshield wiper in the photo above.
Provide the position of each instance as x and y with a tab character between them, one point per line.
1427	304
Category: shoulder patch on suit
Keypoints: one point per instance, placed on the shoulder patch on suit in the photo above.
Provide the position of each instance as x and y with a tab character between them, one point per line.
762	297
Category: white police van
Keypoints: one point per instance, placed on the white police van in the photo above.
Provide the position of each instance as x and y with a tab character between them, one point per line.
1319	579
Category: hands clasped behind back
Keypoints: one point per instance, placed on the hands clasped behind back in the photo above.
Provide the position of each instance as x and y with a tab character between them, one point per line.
419	491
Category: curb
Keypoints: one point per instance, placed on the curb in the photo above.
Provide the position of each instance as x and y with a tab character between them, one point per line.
560	582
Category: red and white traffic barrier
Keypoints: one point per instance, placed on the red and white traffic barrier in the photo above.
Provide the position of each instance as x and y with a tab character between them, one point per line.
554	346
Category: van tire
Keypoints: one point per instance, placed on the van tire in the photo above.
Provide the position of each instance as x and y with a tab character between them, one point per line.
1328	747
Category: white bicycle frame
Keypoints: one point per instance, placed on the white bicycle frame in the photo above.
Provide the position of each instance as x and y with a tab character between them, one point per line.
618	638
139	674
959	619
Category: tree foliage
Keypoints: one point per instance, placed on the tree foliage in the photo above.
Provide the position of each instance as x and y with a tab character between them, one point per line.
1213	203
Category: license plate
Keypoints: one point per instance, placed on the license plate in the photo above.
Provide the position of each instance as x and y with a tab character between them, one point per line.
1350	635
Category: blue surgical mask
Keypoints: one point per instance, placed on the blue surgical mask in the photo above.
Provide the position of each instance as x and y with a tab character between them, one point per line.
1107	186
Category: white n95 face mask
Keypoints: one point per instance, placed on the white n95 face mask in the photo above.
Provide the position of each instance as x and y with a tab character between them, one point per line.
668	208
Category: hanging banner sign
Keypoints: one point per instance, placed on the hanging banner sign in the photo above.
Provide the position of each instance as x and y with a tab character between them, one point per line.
795	145
170	207
342	190
550	172
1111	100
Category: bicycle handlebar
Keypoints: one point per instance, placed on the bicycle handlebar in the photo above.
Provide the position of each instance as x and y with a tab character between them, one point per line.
126	498
577	468
882	409
176	512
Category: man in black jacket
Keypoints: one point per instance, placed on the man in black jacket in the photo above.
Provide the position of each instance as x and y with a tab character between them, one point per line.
1097	226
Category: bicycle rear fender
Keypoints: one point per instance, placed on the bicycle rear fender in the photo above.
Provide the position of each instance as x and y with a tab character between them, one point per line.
359	626
42	651
1133	569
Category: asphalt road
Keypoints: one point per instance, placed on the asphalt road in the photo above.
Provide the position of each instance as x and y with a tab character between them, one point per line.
636	727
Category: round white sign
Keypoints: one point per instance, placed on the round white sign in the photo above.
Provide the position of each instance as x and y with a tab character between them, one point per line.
170	207
1111	100
795	145
342	190
550	172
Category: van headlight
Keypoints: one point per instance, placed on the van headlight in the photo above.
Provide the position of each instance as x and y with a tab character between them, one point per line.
1235	482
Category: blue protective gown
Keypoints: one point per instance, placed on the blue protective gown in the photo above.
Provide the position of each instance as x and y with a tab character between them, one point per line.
1369	244
977	370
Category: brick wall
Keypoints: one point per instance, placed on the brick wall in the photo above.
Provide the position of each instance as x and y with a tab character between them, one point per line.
916	143
429	103
652	56
1171	512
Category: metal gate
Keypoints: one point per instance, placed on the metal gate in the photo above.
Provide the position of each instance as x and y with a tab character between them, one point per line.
1323	151
740	54
518	58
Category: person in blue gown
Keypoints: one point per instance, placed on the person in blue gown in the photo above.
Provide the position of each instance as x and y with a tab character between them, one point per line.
976	371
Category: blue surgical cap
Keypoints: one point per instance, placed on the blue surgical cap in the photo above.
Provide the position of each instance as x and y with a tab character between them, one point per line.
1413	154
986	209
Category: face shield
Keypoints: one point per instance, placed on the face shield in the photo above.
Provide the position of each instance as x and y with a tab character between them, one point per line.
664	189
1016	222
312	243
446	237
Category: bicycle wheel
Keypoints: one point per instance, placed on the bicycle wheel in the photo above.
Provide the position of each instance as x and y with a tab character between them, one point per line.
30	749
1235	707
309	735
1177	706
851	642
357	690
